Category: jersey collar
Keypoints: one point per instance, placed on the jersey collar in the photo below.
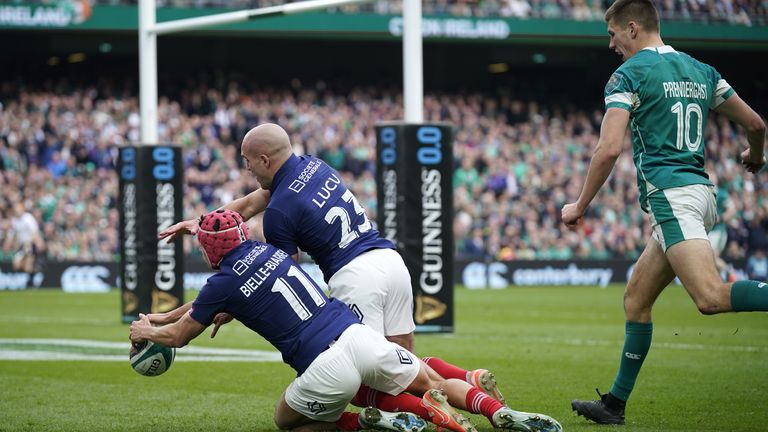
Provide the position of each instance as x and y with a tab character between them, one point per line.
664	49
283	172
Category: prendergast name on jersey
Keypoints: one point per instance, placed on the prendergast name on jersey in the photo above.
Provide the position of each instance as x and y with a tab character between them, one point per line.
685	89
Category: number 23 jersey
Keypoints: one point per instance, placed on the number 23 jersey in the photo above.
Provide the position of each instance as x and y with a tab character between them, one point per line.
311	209
668	94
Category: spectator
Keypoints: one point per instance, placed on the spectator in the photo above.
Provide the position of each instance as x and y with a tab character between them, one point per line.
757	265
514	157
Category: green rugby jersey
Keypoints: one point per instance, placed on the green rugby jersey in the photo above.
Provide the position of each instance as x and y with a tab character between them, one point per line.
668	95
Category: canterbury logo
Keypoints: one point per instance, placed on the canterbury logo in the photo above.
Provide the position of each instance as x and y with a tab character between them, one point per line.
632	356
404	357
316	407
358	313
762	285
85	279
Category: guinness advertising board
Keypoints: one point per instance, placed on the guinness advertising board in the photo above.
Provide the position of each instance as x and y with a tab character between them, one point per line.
415	210
151	270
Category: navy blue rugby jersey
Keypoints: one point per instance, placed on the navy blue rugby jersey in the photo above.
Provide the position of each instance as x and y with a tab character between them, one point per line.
311	209
262	287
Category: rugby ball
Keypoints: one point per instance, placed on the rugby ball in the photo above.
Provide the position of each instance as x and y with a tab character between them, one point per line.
151	359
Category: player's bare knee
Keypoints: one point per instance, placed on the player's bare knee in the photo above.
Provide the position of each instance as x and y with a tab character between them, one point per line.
423	382
712	299
286	418
635	307
709	307
434	383
288	423
281	423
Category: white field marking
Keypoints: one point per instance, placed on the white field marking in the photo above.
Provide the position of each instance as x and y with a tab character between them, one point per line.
608	343
57	356
57	320
182	354
667	345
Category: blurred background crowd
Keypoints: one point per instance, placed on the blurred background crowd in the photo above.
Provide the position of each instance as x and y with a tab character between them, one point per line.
742	12
516	163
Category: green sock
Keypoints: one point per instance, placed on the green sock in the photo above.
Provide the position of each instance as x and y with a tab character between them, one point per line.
637	342
749	295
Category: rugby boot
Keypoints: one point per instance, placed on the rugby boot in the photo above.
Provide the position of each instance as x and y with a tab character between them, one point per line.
374	418
605	410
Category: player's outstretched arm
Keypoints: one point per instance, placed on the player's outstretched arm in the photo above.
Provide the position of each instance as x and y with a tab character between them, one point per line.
248	207
184	227
170	316
608	149
251	204
738	111
175	335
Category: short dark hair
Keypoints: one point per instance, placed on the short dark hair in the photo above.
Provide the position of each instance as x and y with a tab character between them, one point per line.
641	11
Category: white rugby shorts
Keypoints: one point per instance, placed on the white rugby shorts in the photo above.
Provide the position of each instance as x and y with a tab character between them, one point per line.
359	356
682	213
377	287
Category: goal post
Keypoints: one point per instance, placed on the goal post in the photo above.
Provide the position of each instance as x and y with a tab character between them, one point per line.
151	173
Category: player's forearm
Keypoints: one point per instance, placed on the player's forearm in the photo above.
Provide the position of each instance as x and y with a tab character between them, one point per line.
166	335
736	110
251	204
170	316
180	311
175	335
756	139
599	169
240	205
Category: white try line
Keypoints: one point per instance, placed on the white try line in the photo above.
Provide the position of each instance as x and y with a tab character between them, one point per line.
655	345
51	320
46	349
617	342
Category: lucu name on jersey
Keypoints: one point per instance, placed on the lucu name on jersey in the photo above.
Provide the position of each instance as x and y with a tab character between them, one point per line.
321	196
260	275
685	89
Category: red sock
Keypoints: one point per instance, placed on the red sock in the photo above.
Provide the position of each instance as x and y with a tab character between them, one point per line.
445	369
360	398
349	421
367	396
480	403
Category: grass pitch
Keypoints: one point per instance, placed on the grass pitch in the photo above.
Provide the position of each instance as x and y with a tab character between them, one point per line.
546	346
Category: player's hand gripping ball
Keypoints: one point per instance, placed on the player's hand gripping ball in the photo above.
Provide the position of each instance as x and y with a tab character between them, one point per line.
151	359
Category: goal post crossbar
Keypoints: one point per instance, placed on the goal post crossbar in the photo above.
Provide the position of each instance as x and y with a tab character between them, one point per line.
245	15
149	29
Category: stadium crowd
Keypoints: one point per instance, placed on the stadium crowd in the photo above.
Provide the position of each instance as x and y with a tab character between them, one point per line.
516	163
740	12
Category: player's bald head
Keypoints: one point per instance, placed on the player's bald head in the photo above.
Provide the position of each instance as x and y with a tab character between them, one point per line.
269	139
265	149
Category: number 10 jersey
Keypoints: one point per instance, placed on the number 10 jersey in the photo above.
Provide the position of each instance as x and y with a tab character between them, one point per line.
668	94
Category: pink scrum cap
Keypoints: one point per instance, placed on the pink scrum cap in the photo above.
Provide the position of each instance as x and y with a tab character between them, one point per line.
221	231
